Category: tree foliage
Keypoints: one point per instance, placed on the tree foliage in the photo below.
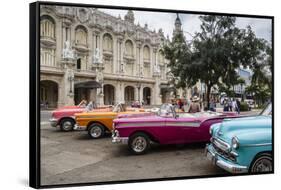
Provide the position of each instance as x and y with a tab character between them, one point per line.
215	53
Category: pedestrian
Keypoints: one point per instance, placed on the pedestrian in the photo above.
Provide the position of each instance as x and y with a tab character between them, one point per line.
225	105
180	104
212	105
185	105
230	104
238	105
195	106
234	105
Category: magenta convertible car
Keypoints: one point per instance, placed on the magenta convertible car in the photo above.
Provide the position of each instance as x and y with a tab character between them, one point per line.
167	127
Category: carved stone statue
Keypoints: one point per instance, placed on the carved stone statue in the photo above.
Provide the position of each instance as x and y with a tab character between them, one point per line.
67	52
96	56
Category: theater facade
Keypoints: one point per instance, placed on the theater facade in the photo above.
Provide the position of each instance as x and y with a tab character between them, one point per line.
87	54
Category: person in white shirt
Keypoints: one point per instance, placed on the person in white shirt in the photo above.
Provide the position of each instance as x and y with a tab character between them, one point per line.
234	105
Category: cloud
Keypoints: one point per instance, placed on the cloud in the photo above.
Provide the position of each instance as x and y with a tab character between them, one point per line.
190	22
261	27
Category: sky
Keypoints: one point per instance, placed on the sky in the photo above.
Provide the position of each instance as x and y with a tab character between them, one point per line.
190	22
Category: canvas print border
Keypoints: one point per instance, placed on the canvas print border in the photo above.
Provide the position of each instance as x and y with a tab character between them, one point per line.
35	157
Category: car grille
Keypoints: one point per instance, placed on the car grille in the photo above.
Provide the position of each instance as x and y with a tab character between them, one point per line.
222	148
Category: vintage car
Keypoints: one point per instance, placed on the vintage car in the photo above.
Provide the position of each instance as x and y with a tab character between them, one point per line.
243	145
167	127
98	123
64	116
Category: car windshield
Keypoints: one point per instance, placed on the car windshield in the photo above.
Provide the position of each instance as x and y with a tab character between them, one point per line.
166	110
89	107
119	107
267	110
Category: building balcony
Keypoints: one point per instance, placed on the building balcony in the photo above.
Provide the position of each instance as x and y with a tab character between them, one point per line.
146	62
129	58
51	69
48	41
81	47
107	53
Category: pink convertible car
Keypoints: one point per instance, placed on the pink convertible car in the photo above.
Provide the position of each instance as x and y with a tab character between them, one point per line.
167	127
64	116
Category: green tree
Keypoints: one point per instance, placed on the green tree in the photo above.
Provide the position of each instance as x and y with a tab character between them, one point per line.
214	54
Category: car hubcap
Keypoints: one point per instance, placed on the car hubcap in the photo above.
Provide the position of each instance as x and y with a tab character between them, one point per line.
139	144
96	132
262	165
67	125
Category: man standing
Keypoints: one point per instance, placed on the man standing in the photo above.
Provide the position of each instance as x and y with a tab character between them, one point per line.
195	106
238	106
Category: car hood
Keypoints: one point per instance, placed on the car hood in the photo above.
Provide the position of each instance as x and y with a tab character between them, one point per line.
243	128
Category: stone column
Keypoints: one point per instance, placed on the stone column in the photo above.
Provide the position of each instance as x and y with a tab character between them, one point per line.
122	92
115	56
61	94
120	66
69	81
100	96
137	92
93	94
157	92
141	93
138	58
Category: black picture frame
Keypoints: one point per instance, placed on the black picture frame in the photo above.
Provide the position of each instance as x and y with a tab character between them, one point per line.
34	98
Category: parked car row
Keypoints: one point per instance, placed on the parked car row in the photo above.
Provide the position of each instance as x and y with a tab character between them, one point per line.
236	144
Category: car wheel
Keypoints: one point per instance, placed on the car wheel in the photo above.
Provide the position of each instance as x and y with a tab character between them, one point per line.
96	130
262	163
67	125
139	143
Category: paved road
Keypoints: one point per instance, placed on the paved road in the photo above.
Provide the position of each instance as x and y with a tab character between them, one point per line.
73	157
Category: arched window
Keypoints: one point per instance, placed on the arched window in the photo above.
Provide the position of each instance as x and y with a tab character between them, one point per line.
49	93
146	54
129	95
129	48
109	94
146	96
47	26
146	60
81	35
107	43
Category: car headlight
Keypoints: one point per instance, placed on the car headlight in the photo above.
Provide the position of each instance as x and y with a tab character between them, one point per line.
235	143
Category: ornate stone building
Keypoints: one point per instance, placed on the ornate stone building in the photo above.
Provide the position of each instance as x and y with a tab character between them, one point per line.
88	54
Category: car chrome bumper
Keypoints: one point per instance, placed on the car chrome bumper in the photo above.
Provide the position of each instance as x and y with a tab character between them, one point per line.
54	122
79	128
223	163
117	139
123	140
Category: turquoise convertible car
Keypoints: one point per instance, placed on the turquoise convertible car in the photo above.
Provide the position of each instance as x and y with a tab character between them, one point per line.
243	145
